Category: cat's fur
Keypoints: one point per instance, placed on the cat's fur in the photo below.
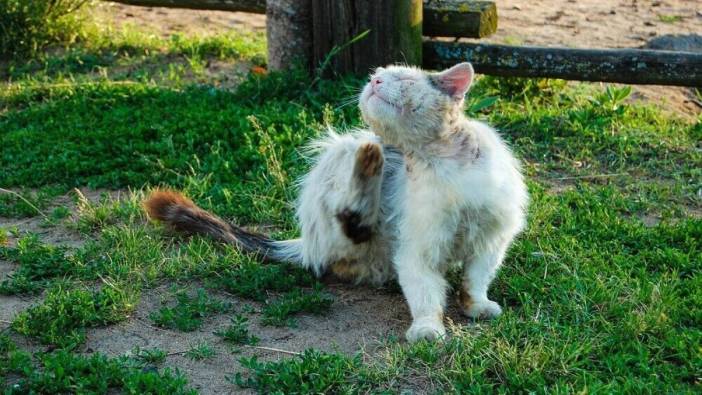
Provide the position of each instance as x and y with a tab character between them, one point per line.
422	189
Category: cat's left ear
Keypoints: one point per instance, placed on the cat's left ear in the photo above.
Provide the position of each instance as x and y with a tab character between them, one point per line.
455	81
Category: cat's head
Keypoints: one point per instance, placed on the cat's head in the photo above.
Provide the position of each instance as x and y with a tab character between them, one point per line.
407	105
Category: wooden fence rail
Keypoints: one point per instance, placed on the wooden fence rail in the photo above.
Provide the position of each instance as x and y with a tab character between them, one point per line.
632	66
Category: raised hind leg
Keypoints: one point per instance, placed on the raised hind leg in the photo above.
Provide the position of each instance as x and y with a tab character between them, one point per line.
360	213
339	205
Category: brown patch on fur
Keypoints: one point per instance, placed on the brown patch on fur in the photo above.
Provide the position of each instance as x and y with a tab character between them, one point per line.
369	159
346	270
352	227
465	300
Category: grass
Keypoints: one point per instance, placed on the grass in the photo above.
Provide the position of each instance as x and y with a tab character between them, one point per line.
602	293
278	312
189	311
64	372
62	318
237	332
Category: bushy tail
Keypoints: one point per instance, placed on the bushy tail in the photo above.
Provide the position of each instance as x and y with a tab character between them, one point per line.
182	215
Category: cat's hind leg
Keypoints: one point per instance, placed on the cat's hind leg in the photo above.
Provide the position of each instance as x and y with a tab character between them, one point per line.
339	204
478	273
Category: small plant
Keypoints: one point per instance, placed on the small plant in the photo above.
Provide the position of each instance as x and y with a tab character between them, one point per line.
279	312
62	372
238	332
313	372
63	316
200	351
12	360
38	264
149	355
252	280
59	213
612	99
189	311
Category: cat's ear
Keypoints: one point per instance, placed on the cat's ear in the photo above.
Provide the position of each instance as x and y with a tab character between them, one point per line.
455	81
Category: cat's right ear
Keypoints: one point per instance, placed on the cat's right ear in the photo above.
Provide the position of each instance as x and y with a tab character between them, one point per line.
456	80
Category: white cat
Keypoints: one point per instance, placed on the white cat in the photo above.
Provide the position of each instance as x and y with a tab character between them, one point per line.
422	189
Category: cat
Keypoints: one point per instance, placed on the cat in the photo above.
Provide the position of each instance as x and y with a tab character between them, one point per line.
421	189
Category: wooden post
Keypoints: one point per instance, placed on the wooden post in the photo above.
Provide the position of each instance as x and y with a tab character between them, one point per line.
289	33
395	33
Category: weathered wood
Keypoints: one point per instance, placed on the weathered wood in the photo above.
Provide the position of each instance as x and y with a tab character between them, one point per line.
289	34
253	6
631	66
459	18
395	33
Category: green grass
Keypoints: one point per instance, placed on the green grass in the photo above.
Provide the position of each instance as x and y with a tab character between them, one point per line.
602	293
189	311
200	351
67	311
279	312
38	264
63	372
237	332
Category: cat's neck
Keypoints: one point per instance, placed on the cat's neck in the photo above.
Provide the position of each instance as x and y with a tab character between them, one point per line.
455	140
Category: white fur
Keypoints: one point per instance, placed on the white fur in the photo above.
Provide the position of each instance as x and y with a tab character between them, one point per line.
455	193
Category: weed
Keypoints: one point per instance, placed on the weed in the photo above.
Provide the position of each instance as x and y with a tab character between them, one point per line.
200	351
62	372
63	316
12	359
252	280
311	372
152	356
189	311
279	311
238	332
38	264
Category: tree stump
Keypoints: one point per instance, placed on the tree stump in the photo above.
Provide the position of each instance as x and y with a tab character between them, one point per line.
395	33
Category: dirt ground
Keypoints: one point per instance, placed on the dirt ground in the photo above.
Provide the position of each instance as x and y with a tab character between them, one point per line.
665	24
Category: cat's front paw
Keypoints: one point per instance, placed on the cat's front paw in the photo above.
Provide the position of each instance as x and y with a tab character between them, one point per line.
425	329
482	309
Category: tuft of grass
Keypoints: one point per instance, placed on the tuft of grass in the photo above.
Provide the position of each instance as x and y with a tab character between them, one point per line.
38	263
189	311
312	372
64	314
12	359
279	312
200	351
62	372
252	280
151	356
238	332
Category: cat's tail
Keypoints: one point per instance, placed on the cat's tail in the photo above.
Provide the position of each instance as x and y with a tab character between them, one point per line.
182	215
